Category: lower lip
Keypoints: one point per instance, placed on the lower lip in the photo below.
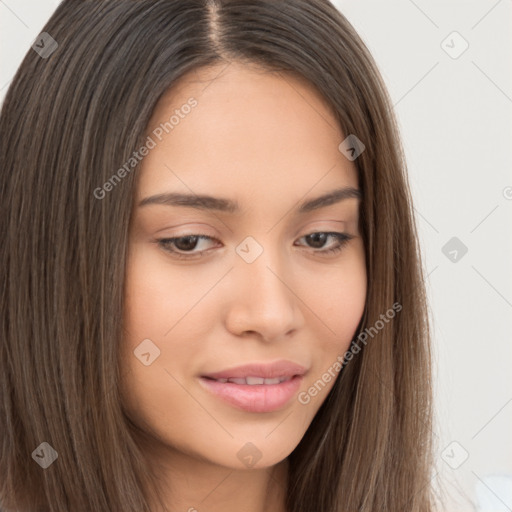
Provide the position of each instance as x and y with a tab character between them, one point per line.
257	398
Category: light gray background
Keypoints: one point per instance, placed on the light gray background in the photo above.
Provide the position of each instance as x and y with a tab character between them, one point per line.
455	119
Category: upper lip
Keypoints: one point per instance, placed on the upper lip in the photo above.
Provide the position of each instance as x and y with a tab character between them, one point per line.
266	370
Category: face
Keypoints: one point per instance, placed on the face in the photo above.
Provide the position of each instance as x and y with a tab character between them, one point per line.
252	277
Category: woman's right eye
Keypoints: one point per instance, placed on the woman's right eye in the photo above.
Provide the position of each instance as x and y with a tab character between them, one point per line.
184	243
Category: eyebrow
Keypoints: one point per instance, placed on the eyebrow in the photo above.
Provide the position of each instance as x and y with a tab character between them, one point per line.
205	202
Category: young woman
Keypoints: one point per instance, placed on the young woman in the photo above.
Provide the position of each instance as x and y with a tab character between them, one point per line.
211	287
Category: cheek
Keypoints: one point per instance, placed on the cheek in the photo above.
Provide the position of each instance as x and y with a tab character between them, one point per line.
150	389
338	305
339	302
156	296
347	306
161	317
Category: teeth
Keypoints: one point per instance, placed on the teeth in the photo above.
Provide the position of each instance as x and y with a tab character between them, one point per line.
267	381
255	380
252	381
237	381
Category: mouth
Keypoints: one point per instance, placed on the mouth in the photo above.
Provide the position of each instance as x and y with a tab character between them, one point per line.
256	387
253	381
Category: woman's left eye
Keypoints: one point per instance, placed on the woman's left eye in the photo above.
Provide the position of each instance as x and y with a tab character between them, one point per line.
182	246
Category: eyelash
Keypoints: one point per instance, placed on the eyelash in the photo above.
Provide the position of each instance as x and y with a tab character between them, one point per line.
166	243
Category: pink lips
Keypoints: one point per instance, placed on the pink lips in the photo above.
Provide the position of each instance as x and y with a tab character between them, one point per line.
256	396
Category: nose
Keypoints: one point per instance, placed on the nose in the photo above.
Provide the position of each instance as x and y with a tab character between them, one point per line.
264	301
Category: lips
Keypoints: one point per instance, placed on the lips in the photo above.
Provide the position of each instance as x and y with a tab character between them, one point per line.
256	387
252	380
280	369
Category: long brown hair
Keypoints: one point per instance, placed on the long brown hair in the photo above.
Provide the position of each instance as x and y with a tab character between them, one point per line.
68	122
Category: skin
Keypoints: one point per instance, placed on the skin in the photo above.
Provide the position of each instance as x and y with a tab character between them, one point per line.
269	141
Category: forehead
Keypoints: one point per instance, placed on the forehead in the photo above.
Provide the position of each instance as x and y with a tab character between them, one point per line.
249	129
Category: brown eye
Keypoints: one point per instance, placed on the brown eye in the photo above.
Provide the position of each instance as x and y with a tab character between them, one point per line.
317	241
181	245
